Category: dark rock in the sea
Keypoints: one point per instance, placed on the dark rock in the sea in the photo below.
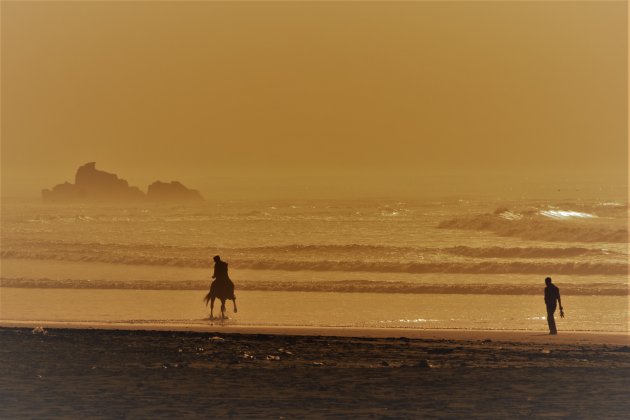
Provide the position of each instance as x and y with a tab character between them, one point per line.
173	191
62	192
90	184
103	183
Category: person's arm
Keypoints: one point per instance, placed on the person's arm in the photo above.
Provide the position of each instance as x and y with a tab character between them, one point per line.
560	304
214	275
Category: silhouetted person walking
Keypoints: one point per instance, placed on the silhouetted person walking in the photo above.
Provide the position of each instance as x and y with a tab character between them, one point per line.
552	295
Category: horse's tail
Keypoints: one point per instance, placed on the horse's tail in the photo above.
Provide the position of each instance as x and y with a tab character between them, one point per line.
207	298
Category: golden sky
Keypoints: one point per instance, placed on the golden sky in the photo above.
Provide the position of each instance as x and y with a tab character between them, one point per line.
316	98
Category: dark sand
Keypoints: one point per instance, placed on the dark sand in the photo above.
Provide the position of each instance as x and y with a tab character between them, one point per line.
77	373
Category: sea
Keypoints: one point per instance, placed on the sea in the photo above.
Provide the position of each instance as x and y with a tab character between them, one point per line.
453	263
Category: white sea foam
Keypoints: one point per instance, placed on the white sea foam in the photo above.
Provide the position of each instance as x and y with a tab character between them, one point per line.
566	214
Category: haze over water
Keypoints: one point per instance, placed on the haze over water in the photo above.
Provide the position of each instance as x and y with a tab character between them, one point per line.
403	164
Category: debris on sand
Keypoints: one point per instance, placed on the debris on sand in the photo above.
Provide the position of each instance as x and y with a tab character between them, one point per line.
39	330
440	350
423	364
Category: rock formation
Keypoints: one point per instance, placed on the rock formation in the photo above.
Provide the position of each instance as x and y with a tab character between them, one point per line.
173	191
90	184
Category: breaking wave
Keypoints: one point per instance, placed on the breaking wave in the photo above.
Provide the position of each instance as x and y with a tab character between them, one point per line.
452	267
532	228
514	252
485	267
59	249
347	286
526	252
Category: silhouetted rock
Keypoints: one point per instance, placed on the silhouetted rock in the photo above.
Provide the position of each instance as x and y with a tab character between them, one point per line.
63	192
101	184
173	191
94	185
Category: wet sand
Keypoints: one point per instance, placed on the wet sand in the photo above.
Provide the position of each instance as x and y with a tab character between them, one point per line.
295	373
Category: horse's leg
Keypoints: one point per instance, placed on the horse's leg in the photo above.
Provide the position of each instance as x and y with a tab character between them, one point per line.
211	306
222	308
234	302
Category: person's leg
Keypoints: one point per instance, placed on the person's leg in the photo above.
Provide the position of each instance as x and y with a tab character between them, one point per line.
550	320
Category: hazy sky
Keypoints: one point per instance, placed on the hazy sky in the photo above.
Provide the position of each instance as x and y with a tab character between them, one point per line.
315	99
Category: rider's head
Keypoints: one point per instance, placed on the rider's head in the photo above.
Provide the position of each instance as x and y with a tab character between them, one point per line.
548	281
216	258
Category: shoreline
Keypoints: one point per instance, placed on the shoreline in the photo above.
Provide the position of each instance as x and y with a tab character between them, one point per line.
517	336
178	309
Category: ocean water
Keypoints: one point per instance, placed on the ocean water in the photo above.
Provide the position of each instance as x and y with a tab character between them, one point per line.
378	263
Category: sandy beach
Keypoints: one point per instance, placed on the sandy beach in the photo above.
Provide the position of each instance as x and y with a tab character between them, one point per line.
84	371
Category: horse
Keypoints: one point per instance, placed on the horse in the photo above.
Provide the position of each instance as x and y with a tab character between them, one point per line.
223	290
